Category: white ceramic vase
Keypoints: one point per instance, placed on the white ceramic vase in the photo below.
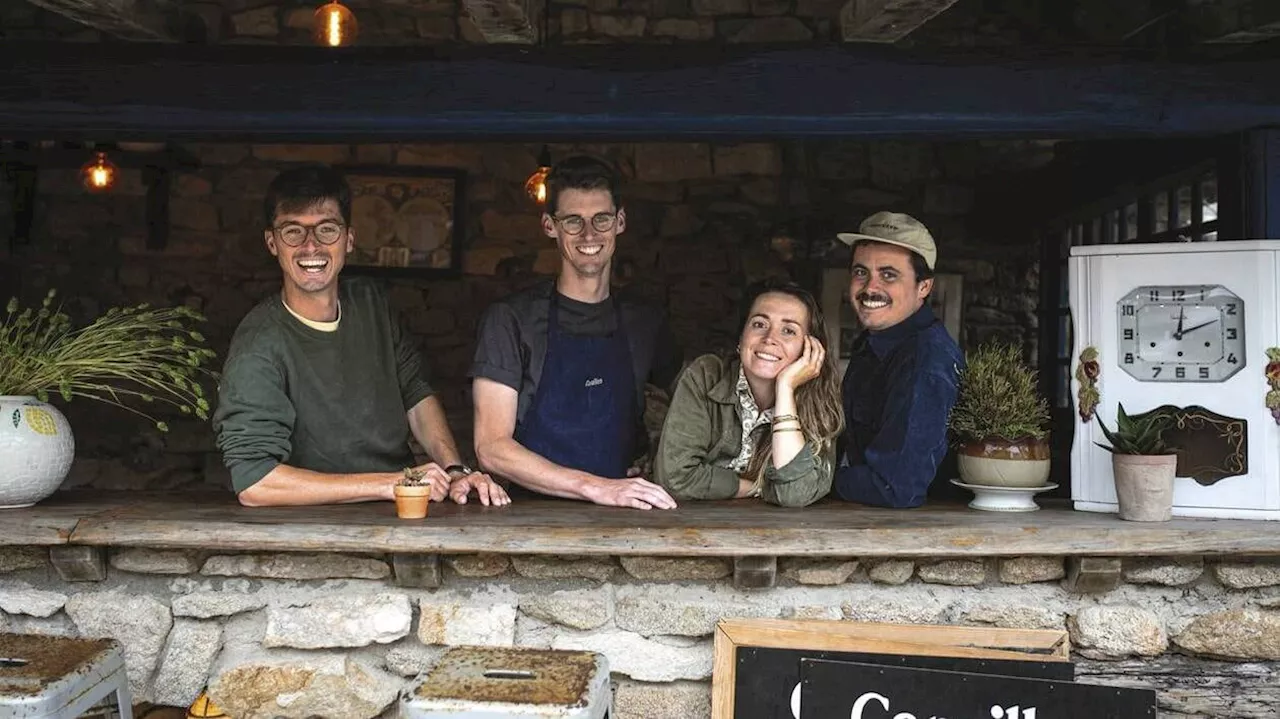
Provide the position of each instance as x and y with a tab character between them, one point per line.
36	449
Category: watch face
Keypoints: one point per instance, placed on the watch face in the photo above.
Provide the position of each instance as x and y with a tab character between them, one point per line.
1181	333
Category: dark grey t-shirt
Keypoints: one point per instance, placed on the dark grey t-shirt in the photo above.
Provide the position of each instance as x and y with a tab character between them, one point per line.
512	343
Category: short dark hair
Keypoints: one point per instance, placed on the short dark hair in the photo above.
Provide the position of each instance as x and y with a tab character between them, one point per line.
918	265
300	188
581	172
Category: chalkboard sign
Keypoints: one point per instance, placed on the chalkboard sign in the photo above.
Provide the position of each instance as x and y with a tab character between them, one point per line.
769	678
847	690
757	661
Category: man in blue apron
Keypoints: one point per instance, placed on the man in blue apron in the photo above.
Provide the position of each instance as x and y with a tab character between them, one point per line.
560	368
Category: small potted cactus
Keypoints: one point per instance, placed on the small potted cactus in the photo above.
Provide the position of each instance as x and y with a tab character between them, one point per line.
413	494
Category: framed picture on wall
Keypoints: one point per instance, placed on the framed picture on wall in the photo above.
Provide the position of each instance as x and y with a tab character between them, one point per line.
407	220
843	327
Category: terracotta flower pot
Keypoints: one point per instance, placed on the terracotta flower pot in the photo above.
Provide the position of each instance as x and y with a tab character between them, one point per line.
1144	486
412	501
999	462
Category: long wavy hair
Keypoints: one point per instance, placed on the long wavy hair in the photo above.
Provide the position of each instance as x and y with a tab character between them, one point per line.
818	402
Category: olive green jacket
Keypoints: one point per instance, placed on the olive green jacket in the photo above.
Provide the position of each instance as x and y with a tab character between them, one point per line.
703	433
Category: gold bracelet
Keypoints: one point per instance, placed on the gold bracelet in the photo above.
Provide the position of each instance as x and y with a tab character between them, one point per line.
785	417
787	429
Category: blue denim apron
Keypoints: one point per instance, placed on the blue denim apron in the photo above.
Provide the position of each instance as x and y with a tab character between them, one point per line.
583	413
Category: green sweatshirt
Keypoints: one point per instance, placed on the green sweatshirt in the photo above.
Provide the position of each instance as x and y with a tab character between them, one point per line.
325	401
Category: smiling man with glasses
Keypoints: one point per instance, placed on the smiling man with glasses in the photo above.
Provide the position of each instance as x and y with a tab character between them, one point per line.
560	368
322	385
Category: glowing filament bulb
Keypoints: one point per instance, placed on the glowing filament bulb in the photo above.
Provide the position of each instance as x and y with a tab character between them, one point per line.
334	25
536	185
99	174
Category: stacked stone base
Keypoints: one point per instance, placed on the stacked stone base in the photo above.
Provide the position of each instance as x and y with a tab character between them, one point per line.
301	635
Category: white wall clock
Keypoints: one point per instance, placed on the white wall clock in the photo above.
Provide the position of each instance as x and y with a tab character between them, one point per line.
1181	333
1184	327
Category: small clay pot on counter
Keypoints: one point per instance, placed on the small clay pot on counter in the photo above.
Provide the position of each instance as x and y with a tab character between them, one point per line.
412	500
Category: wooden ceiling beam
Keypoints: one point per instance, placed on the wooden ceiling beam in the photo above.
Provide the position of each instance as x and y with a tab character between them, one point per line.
512	22
152	91
145	20
886	20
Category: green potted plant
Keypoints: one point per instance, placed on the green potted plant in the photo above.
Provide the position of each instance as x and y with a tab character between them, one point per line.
1142	465
138	358
999	422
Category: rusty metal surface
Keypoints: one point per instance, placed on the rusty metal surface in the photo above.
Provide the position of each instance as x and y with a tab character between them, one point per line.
541	676
29	662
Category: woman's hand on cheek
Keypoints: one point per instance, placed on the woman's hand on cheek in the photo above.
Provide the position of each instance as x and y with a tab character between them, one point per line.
807	367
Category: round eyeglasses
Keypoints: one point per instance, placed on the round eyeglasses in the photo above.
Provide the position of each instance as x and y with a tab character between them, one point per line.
574	224
294	234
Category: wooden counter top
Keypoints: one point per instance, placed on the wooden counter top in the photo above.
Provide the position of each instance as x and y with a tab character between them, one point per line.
215	521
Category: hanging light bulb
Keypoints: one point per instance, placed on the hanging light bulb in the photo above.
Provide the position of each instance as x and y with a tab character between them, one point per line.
536	185
98	174
334	25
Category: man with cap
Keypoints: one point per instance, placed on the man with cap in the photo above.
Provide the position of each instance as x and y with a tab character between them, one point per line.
904	370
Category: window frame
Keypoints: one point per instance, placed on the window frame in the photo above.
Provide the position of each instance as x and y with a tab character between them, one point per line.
1087	223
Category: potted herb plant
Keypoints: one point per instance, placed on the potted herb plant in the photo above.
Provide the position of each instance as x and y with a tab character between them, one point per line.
413	495
1142	465
999	422
138	358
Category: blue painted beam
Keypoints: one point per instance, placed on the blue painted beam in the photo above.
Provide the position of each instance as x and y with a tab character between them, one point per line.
151	91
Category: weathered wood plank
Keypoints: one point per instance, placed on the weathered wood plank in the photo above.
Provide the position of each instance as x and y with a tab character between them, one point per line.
755	572
886	20
1188	687
421	571
726	529
34	526
1093	575
51	521
177	91
78	563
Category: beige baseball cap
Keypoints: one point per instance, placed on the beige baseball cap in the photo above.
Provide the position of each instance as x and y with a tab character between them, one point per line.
895	228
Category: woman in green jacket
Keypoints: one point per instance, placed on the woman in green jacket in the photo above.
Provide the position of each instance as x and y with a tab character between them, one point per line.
762	423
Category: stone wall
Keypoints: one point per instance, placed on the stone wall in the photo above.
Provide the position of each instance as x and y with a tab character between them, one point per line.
294	635
701	223
433	22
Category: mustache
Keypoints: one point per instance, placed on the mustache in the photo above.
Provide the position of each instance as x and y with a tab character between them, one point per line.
872	296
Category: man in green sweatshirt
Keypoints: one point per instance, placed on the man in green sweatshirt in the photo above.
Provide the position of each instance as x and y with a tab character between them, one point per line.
322	385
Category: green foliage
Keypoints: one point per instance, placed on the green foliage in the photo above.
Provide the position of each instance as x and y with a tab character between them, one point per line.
1143	436
129	355
998	397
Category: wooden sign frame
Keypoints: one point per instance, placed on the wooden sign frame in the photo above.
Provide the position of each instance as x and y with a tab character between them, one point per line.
1039	645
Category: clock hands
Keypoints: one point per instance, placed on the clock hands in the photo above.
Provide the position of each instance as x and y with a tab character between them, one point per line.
1182	314
1181	332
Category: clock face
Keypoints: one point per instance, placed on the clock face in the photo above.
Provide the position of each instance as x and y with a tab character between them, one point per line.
1181	333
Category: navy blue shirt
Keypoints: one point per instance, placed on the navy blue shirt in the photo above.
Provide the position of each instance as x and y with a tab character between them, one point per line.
898	392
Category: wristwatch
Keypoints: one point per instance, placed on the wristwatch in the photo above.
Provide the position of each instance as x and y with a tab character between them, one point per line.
462	468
